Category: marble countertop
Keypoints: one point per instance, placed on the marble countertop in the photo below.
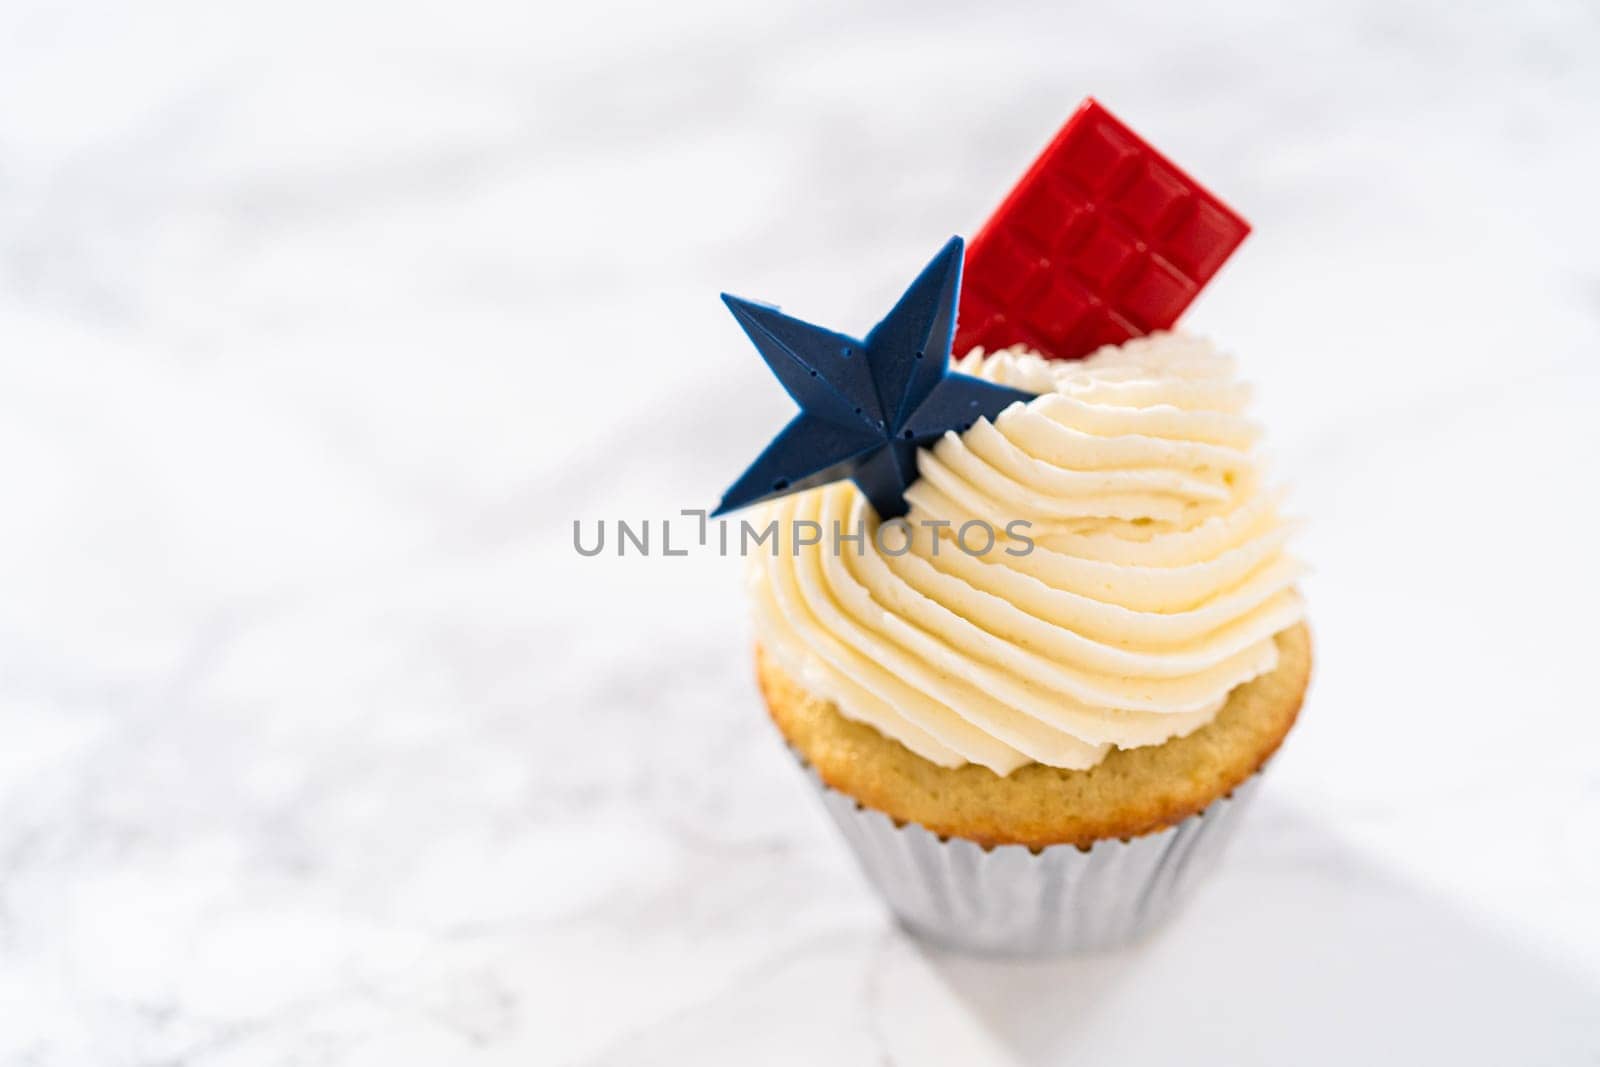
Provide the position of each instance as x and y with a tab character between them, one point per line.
321	323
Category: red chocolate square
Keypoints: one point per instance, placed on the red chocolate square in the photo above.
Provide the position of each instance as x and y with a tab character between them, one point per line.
1047	218
1063	309
1103	239
1103	256
1097	155
1008	268
1156	285
1203	239
1150	202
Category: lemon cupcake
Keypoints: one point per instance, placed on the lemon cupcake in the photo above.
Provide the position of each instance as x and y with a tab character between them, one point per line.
1029	618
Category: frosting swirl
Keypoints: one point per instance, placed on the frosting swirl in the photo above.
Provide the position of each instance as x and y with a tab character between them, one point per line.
1098	567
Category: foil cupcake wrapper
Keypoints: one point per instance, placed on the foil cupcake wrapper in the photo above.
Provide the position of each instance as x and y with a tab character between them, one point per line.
1012	901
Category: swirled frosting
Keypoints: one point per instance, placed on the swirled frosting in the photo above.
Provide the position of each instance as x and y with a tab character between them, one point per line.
1137	573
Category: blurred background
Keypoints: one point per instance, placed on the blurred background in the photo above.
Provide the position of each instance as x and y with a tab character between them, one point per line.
320	324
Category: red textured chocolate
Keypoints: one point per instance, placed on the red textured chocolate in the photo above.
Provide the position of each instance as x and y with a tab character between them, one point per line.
1102	240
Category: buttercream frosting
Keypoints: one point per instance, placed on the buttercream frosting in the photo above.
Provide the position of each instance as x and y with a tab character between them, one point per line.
1098	567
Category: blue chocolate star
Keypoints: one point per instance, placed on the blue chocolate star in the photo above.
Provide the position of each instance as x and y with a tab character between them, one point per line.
865	406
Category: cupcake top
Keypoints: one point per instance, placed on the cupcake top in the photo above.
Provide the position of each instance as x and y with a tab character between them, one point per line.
1099	566
1058	544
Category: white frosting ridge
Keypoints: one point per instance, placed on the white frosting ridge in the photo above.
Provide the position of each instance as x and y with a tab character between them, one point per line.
1156	579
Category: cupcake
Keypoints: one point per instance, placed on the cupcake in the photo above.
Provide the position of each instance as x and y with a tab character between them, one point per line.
1028	616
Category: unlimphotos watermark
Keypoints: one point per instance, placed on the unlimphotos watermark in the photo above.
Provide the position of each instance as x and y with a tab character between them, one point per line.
725	537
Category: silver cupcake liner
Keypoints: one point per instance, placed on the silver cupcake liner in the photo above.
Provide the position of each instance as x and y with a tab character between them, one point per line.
1013	901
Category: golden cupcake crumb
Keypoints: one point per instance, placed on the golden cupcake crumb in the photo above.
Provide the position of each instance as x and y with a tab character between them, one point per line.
1131	792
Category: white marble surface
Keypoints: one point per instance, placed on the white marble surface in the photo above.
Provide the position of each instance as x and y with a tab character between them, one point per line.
319	324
